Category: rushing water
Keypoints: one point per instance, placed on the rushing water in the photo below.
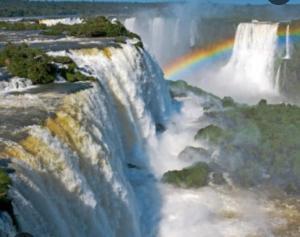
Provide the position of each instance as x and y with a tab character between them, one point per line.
89	162
250	73
71	176
181	35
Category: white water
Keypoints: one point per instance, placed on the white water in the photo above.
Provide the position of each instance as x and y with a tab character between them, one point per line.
89	190
165	37
85	188
250	73
14	84
65	21
287	43
252	61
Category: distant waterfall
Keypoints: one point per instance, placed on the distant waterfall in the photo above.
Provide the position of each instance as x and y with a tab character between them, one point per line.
252	62
165	37
158	31
193	34
287	43
130	23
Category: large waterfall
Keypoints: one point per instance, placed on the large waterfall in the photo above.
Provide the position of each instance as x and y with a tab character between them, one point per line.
73	175
252	61
250	73
163	34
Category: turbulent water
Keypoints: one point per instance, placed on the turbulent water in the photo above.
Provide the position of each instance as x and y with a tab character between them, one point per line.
65	21
88	159
71	173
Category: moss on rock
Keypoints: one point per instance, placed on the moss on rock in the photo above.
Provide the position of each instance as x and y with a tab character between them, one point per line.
192	177
227	101
212	133
4	186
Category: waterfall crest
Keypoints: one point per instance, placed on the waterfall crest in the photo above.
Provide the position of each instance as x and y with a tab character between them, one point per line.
71	171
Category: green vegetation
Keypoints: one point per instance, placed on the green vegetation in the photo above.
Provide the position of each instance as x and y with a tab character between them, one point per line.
256	144
92	27
263	141
23	61
4	186
227	101
192	177
180	88
290	74
36	65
13	8
212	133
22	25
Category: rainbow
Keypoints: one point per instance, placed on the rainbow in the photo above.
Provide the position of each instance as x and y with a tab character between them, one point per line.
190	62
200	58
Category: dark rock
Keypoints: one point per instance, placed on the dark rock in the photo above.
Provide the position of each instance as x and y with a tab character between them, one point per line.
132	166
160	128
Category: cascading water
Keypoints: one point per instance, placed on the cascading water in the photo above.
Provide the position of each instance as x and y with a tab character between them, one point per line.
193	34
92	167
252	60
162	33
72	176
65	21
287	43
130	23
250	73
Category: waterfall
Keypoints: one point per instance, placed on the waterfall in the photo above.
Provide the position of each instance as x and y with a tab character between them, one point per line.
158	31
72	175
277	78
287	43
161	34
130	23
252	62
193	33
65	21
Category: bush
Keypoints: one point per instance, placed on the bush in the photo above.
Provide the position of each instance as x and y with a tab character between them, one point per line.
92	27
24	61
193	177
212	133
19	26
4	186
227	101
36	65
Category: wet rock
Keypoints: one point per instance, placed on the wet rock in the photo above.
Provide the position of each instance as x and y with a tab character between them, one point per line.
160	128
